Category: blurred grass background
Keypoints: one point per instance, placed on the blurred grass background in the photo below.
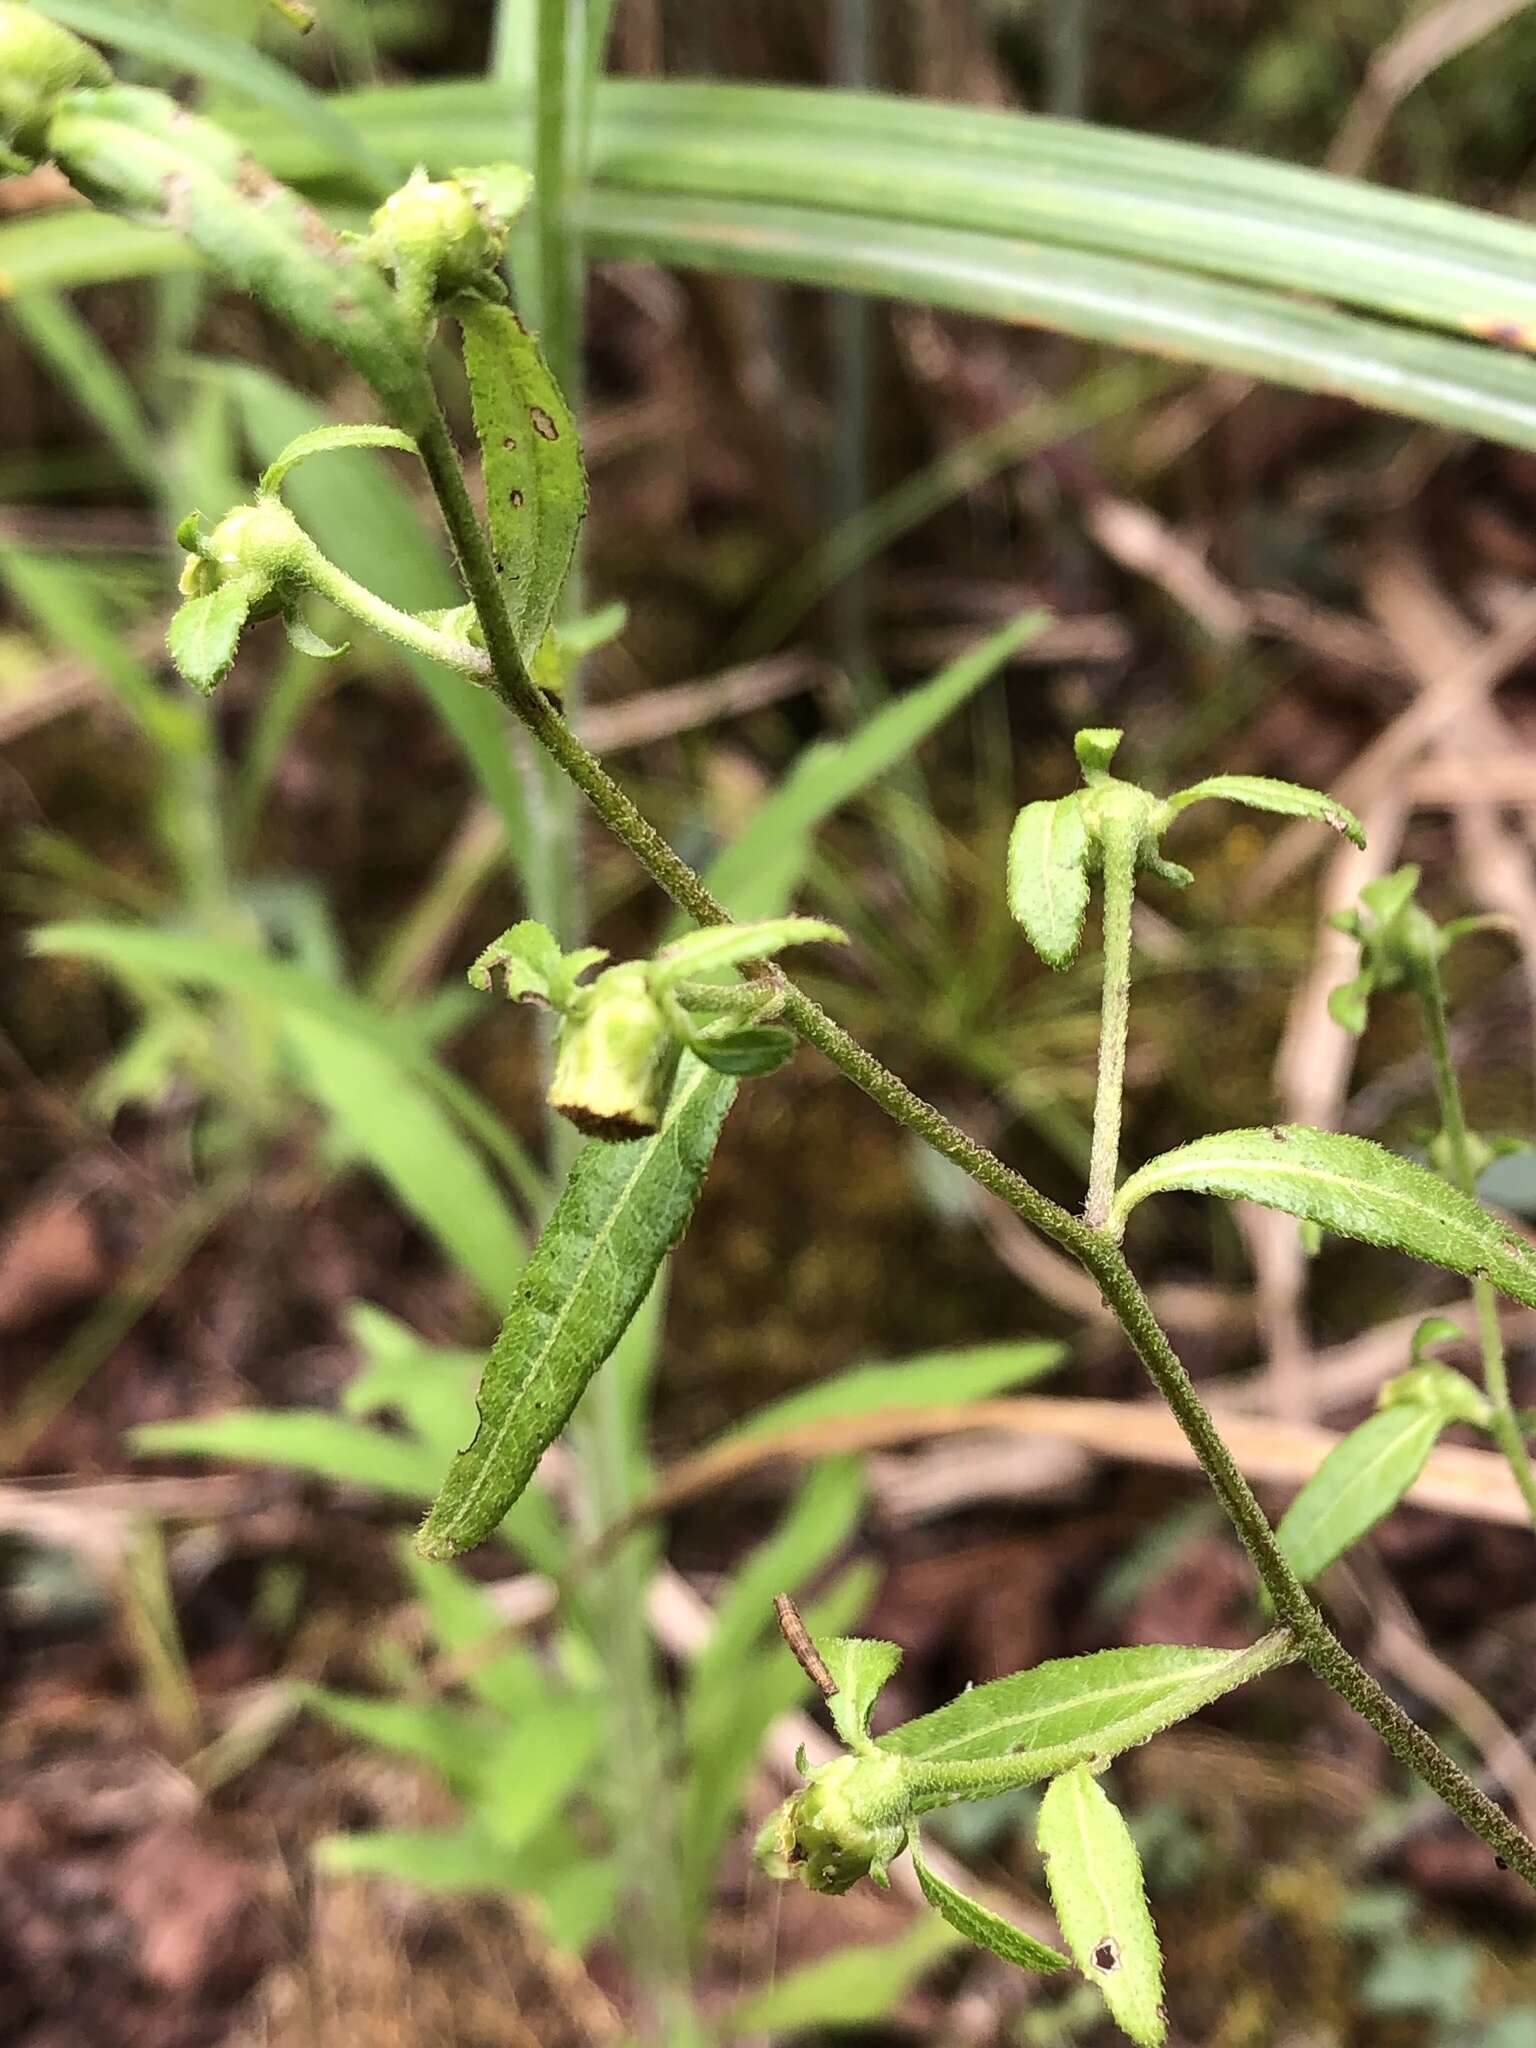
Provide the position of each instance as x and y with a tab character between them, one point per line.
809	504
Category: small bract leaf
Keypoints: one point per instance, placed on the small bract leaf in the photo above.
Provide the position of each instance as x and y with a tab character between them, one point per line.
1349	1003
1094	1874
533	966
1095	748
1362	1479
1264	793
503	189
860	1666
303	639
323	440
1431	1383
1432	1332
1048	877
979	1924
719	946
1351	1186
623	1208
205	631
1076	1707
745	1049
535	485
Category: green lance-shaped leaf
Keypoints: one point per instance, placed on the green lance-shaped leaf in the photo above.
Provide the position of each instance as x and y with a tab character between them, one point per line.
1264	793
1347	1185
860	1667
1359	1482
323	441
205	631
623	1208
717	947
535	485
979	1924
1094	1874
1048	857
138	153
1074	1708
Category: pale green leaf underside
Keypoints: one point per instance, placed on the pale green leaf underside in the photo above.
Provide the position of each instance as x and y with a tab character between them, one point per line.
535	485
860	1666
1264	793
981	1926
1048	877
1073	1706
1362	1479
623	1208
1351	1186
1096	1886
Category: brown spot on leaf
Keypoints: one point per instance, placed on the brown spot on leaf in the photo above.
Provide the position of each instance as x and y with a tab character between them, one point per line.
514	498
1106	1956
543	425
1503	332
175	196
509	444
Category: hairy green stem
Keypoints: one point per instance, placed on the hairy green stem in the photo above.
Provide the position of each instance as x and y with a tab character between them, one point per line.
369	609
1505	1424
1094	1250
1120	841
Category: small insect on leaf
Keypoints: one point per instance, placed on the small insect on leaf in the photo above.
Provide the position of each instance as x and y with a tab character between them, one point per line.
980	1925
805	1652
1094	1875
1048	858
1350	1186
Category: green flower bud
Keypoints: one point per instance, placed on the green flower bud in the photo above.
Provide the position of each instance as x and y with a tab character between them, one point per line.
849	1822
262	541
615	1057
39	63
437	239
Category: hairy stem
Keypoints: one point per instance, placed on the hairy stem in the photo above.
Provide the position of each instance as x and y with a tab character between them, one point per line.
1505	1425
369	609
1120	840
1094	1250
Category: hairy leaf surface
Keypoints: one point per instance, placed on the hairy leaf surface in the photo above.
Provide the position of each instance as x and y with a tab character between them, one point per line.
980	1925
623	1208
1351	1186
1094	1874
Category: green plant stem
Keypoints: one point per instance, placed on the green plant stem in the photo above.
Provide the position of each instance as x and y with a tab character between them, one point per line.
1119	872
1505	1423
1093	1249
551	184
369	609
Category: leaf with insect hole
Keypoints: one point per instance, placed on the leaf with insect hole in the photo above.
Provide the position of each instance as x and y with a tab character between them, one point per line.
535	485
1095	1880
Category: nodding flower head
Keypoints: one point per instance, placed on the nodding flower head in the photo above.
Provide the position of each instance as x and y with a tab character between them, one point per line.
615	1057
437	237
848	1822
262	544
